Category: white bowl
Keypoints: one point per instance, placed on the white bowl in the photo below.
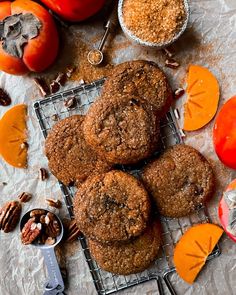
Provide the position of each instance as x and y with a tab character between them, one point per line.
132	37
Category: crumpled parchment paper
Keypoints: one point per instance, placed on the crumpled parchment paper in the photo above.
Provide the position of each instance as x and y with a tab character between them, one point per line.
209	41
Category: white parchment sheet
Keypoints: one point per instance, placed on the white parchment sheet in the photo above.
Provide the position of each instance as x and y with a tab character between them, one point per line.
209	41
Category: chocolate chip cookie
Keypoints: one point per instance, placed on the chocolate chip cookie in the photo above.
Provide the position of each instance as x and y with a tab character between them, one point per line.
70	159
112	207
180	181
133	257
122	129
143	79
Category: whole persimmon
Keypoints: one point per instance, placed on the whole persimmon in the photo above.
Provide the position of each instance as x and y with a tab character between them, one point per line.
29	37
224	133
74	10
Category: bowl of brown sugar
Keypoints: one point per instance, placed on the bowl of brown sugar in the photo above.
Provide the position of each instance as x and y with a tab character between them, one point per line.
153	23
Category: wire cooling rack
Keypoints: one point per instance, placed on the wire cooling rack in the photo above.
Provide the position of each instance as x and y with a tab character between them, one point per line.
106	283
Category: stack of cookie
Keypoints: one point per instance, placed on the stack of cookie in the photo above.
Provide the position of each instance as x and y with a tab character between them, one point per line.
123	125
113	211
112	208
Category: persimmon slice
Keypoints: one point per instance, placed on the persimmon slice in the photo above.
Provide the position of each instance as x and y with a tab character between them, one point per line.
203	98
193	248
13	136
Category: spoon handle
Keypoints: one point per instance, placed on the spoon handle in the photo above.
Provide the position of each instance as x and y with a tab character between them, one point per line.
109	26
55	284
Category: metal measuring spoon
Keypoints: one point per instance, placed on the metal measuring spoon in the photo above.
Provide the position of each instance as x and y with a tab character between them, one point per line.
95	56
55	285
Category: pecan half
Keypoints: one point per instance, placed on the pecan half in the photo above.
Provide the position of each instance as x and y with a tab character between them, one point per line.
61	78
179	92
53	228
43	174
168	52
172	63
54	203
30	231
24	197
37	213
9	216
5	99
70	102
54	117
70	71
72	232
54	86
42	85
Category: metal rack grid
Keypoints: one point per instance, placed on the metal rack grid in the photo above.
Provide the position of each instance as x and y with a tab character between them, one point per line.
107	283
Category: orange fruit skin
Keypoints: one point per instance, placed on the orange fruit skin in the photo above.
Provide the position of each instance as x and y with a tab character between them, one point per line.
224	133
12	134
193	248
41	51
74	10
203	98
8	63
5	9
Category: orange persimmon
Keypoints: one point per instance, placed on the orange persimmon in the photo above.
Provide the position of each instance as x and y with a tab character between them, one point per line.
36	44
74	10
13	136
193	248
8	63
203	98
224	133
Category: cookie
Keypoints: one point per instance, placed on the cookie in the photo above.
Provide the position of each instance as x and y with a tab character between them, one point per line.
70	159
180	181
122	129
133	257
143	79
112	207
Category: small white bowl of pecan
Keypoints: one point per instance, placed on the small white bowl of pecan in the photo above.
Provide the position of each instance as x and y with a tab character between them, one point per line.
41	227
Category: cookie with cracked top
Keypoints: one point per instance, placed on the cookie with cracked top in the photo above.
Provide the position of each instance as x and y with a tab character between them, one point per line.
180	181
70	158
122	129
112	207
143	79
133	257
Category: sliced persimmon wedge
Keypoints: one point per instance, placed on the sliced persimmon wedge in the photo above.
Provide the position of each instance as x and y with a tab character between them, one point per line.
203	98
193	248
13	136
